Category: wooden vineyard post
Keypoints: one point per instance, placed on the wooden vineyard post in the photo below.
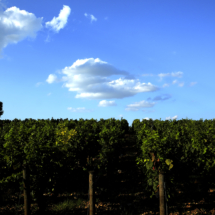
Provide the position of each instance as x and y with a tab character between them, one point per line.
162	188
161	193
26	190
91	193
92	206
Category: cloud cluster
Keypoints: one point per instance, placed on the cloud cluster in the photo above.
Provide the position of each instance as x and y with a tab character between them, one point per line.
88	77
16	24
91	17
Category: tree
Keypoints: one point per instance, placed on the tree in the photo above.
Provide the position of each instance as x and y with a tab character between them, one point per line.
1	112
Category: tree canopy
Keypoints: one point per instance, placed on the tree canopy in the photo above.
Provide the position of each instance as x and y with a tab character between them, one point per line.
1	112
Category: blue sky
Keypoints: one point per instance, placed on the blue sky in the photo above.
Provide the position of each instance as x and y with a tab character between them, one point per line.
107	59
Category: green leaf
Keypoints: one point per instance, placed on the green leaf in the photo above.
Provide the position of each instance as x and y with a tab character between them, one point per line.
169	162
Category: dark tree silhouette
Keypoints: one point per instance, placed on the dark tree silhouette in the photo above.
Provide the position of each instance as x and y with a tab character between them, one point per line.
1	112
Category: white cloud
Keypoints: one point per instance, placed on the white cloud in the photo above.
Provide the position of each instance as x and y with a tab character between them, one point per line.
181	84
79	109
175	81
105	103
16	24
91	17
161	75
58	23
39	83
167	118
175	117
173	74
193	83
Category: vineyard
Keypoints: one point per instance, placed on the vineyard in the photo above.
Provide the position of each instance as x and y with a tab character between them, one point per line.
120	192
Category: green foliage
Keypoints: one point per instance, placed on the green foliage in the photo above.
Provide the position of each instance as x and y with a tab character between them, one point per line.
52	148
156	159
63	135
49	148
